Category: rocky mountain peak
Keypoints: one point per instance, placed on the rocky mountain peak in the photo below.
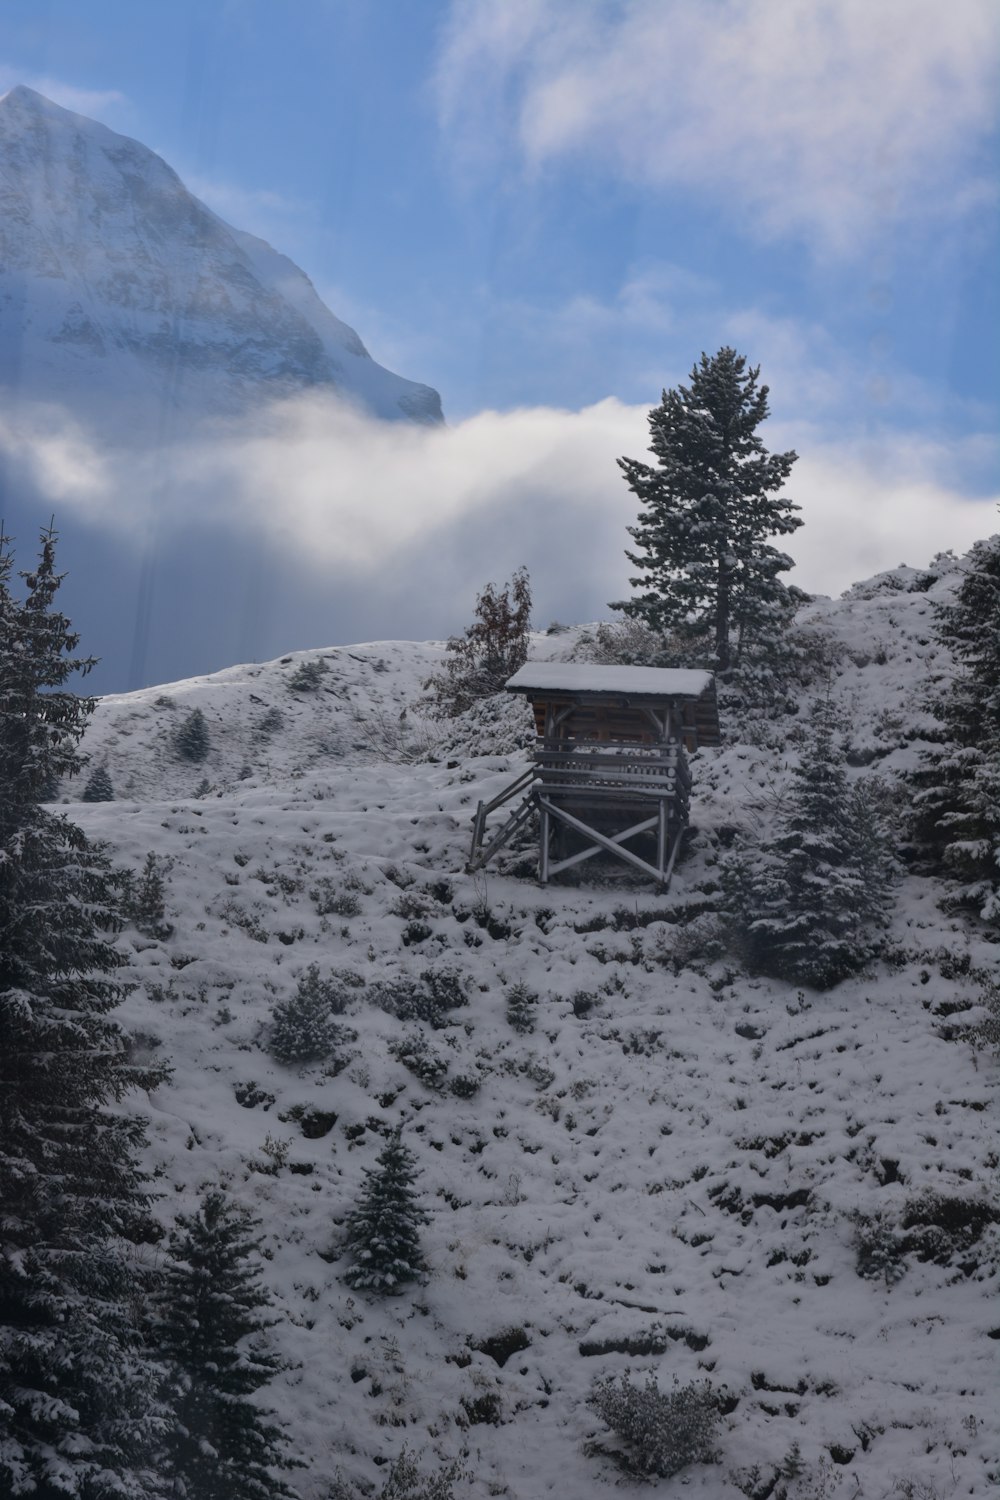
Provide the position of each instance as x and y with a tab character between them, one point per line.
122	295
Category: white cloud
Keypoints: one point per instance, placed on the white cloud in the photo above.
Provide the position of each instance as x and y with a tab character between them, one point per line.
822	118
409	512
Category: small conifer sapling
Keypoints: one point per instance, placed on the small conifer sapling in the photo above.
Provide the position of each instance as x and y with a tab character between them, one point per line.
192	740
303	1028
98	788
383	1230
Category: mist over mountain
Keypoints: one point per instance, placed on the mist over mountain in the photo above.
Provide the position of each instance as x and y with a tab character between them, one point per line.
136	327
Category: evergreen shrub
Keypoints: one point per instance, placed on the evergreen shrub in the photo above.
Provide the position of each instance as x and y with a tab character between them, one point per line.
308	676
810	904
191	740
383	1230
303	1027
98	788
522	1008
146	904
430	999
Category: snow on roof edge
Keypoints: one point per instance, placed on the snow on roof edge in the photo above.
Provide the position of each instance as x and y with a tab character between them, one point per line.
589	677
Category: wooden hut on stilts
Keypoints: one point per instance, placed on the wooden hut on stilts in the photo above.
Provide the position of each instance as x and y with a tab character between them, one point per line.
609	766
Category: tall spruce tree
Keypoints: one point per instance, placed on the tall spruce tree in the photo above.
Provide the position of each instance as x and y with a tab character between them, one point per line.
211	1324
383	1229
957	785
811	904
707	573
79	1415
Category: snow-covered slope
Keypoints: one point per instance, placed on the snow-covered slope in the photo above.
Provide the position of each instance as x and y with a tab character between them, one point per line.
664	1176
124	298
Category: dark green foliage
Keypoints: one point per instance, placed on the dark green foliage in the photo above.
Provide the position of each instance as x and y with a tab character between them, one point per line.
708	575
303	1028
383	1230
146	907
957	786
79	1412
211	1323
98	788
191	741
492	648
811	903
663	1431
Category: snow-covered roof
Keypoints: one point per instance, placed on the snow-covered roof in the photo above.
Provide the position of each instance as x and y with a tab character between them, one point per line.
586	677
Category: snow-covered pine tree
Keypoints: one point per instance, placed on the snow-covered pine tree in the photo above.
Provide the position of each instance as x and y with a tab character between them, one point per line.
810	904
146	901
383	1230
79	1412
707	571
211	1326
957	785
98	788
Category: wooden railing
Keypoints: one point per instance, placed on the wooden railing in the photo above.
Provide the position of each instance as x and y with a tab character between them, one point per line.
611	768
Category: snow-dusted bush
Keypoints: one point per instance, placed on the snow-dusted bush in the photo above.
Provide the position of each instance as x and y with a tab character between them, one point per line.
308	676
489	651
407	1481
880	1253
986	1033
333	900
662	1431
627	643
303	1028
383	1230
429	999
416	1053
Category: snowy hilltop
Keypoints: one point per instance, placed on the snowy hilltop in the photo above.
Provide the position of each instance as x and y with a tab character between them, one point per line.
127	301
625	1156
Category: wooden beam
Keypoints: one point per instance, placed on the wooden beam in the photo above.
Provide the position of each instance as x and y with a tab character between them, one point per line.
612	844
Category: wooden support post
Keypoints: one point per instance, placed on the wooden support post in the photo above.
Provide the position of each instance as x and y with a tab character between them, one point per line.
543	842
661	838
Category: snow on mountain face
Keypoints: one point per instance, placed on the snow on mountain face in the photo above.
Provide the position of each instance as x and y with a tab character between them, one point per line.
670	1174
120	291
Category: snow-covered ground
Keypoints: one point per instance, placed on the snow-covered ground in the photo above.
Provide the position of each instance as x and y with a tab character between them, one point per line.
663	1176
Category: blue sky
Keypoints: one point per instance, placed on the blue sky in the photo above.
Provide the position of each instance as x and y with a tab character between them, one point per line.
538	206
